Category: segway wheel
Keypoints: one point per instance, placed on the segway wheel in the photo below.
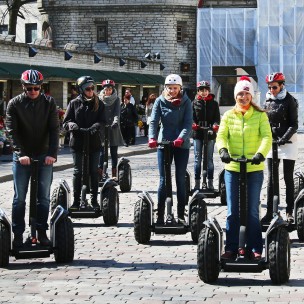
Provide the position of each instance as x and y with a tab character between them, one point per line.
198	214
58	198
110	206
64	247
4	245
279	256
125	177
300	220
207	256
298	185
142	221
188	187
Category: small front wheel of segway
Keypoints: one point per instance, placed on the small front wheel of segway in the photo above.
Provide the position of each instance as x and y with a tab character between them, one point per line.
208	263
198	214
110	206
125	177
142	221
298	185
300	220
64	241
279	256
58	198
4	245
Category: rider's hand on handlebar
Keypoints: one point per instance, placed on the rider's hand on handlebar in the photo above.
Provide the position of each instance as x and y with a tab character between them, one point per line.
73	126
25	160
282	141
152	143
195	127
215	127
224	155
178	142
257	159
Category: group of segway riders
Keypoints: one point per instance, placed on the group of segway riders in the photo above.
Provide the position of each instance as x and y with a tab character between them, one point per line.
244	137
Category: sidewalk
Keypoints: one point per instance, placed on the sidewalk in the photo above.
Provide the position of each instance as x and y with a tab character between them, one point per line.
65	160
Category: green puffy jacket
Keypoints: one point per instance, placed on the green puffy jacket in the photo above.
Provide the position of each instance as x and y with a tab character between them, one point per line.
246	135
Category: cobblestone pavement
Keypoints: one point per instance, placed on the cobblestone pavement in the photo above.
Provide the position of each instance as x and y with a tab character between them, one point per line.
111	267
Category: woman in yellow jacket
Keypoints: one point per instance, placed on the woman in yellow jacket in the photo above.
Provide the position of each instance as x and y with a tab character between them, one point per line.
244	131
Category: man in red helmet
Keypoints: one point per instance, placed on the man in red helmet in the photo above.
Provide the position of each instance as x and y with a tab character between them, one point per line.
32	121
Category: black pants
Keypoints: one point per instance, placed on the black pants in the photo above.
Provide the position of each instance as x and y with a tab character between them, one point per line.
128	134
288	168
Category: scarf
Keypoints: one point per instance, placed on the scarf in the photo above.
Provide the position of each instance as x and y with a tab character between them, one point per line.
108	100
280	96
174	101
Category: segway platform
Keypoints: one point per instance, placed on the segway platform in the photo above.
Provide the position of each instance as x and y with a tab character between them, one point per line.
244	265
170	227
32	251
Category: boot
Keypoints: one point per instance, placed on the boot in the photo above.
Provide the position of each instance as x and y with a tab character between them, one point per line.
197	184
267	218
43	239
94	202
114	173
160	215
181	214
76	202
18	240
210	184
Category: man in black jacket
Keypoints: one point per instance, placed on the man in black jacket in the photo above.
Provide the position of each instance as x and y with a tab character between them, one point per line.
33	123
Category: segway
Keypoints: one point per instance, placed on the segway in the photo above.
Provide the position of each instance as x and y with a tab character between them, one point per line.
61	232
144	212
108	199
211	244
221	190
123	169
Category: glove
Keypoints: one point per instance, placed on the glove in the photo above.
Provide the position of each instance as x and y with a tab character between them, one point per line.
282	141
114	125
215	127
224	155
257	159
152	143
195	127
73	126
178	142
92	130
83	130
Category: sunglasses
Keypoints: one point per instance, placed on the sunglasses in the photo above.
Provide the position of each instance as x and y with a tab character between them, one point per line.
273	87
33	89
88	89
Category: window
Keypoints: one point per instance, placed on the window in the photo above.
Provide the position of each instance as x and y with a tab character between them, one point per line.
181	31
102	32
30	32
4	29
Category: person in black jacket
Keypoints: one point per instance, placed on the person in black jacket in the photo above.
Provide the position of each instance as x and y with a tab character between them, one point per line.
128	119
33	123
282	111
206	113
85	113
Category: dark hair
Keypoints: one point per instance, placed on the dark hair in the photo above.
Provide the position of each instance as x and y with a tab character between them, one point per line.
151	99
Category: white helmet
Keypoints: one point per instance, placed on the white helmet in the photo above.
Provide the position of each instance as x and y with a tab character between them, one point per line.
173	79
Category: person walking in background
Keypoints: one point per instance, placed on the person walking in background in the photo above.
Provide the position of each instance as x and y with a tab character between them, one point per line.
32	121
128	119
85	112
244	131
282	111
108	95
148	108
128	95
206	113
173	110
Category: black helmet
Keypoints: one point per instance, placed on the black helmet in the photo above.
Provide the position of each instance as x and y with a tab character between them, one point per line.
31	77
83	82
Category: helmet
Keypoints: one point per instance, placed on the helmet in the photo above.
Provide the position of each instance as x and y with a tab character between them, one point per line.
108	83
203	84
173	79
31	77
83	82
275	77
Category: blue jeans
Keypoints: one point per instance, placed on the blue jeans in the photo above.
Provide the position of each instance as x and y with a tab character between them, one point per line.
253	229
22	174
198	153
180	157
114	156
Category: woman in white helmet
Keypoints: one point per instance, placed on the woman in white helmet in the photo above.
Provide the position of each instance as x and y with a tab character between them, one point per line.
173	110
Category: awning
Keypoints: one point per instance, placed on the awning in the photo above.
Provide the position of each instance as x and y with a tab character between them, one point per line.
14	71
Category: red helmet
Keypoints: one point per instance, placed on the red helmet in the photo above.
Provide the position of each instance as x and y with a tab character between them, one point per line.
31	77
108	83
275	77
203	84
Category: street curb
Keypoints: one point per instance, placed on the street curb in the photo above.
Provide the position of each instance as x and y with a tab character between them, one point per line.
9	177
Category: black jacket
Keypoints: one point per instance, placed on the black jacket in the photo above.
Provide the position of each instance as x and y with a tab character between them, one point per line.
283	116
81	112
128	115
205	111
34	125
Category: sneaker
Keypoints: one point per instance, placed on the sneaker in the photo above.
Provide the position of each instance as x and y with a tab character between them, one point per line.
18	240
256	256
241	251
289	218
228	255
181	221
266	219
43	239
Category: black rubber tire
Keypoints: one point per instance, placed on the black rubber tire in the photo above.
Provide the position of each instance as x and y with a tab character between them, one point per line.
4	245
300	220
207	256
142	222
58	198
64	247
279	256
188	187
198	214
110	206
298	186
125	177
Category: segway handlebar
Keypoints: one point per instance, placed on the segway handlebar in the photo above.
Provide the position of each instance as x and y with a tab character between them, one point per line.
241	159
